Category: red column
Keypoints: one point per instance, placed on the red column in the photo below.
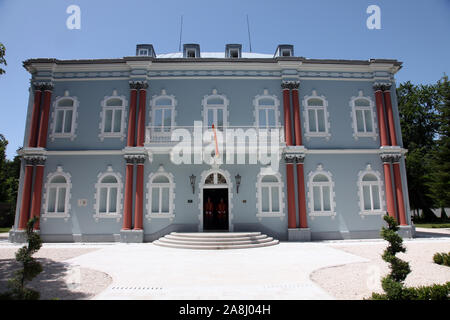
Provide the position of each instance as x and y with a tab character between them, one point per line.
37	194
132	119
43	126
287	116
26	193
292	224
139	201
141	116
297	123
390	117
301	196
128	201
32	138
389	192
399	194
380	116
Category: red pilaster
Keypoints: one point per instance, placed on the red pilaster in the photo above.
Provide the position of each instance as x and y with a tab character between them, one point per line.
26	193
390	117
128	201
141	117
399	194
139	201
287	117
301	196
380	116
37	194
32	138
291	195
132	119
297	123
43	126
389	192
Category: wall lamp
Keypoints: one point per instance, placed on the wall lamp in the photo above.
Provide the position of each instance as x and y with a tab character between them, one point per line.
192	180
238	182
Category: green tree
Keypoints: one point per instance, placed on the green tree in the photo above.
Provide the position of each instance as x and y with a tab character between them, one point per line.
439	178
418	106
2	57
9	183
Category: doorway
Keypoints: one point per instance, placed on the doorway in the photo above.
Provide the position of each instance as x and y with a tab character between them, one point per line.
215	209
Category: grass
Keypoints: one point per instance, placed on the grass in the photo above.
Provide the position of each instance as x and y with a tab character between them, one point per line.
433	225
4	230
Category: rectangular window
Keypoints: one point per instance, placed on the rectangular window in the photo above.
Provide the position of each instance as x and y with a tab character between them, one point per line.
112	122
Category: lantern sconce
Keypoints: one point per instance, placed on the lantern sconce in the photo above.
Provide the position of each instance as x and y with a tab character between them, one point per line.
238	182
192	180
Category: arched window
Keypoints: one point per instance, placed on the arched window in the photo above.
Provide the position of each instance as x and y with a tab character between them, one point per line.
160	195
215	112
162	116
370	192
215	178
113	116
363	116
64	117
57	195
266	111
269	195
108	195
316	116
321	193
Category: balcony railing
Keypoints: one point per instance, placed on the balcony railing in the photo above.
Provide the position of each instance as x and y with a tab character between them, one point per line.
163	135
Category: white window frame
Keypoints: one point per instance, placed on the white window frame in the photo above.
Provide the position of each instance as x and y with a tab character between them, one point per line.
143	52
259	185
72	135
356	134
215	107
123	124
150	186
312	213
258	108
98	186
360	184
50	185
308	133
158	135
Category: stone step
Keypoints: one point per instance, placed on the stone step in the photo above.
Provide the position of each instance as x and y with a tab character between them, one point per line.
215	240
215	247
205	239
216	234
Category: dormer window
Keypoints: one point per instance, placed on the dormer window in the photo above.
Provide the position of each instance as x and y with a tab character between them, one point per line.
191	53
233	51
286	53
191	50
143	52
284	50
234	54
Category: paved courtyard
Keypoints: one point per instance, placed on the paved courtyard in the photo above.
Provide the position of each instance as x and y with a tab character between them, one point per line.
347	269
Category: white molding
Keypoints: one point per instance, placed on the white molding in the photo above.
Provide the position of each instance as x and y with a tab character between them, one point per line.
68	185
206	106
119	185
123	123
356	134
259	213
201	185
379	183
72	135
258	107
311	184
308	134
171	185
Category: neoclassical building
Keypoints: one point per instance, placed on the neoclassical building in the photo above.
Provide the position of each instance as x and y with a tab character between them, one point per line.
101	159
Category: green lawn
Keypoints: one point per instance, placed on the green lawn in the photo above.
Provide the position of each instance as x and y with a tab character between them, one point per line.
433	225
4	230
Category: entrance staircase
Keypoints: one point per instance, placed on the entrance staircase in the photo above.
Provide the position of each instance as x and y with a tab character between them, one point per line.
215	240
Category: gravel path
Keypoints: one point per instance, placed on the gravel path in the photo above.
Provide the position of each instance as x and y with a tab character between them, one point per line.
59	280
359	280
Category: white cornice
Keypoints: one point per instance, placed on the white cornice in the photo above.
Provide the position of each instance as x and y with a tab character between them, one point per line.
139	64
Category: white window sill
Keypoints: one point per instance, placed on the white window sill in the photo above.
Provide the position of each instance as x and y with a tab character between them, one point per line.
270	215
98	216
65	216
111	135
160	216
63	135
325	135
365	135
322	214
372	213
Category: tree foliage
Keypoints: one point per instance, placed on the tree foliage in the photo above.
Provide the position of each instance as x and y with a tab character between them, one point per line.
2	57
9	182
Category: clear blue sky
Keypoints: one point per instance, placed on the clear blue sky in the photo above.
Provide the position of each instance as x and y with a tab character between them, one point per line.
414	32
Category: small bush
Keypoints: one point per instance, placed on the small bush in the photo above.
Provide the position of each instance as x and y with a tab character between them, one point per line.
442	258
